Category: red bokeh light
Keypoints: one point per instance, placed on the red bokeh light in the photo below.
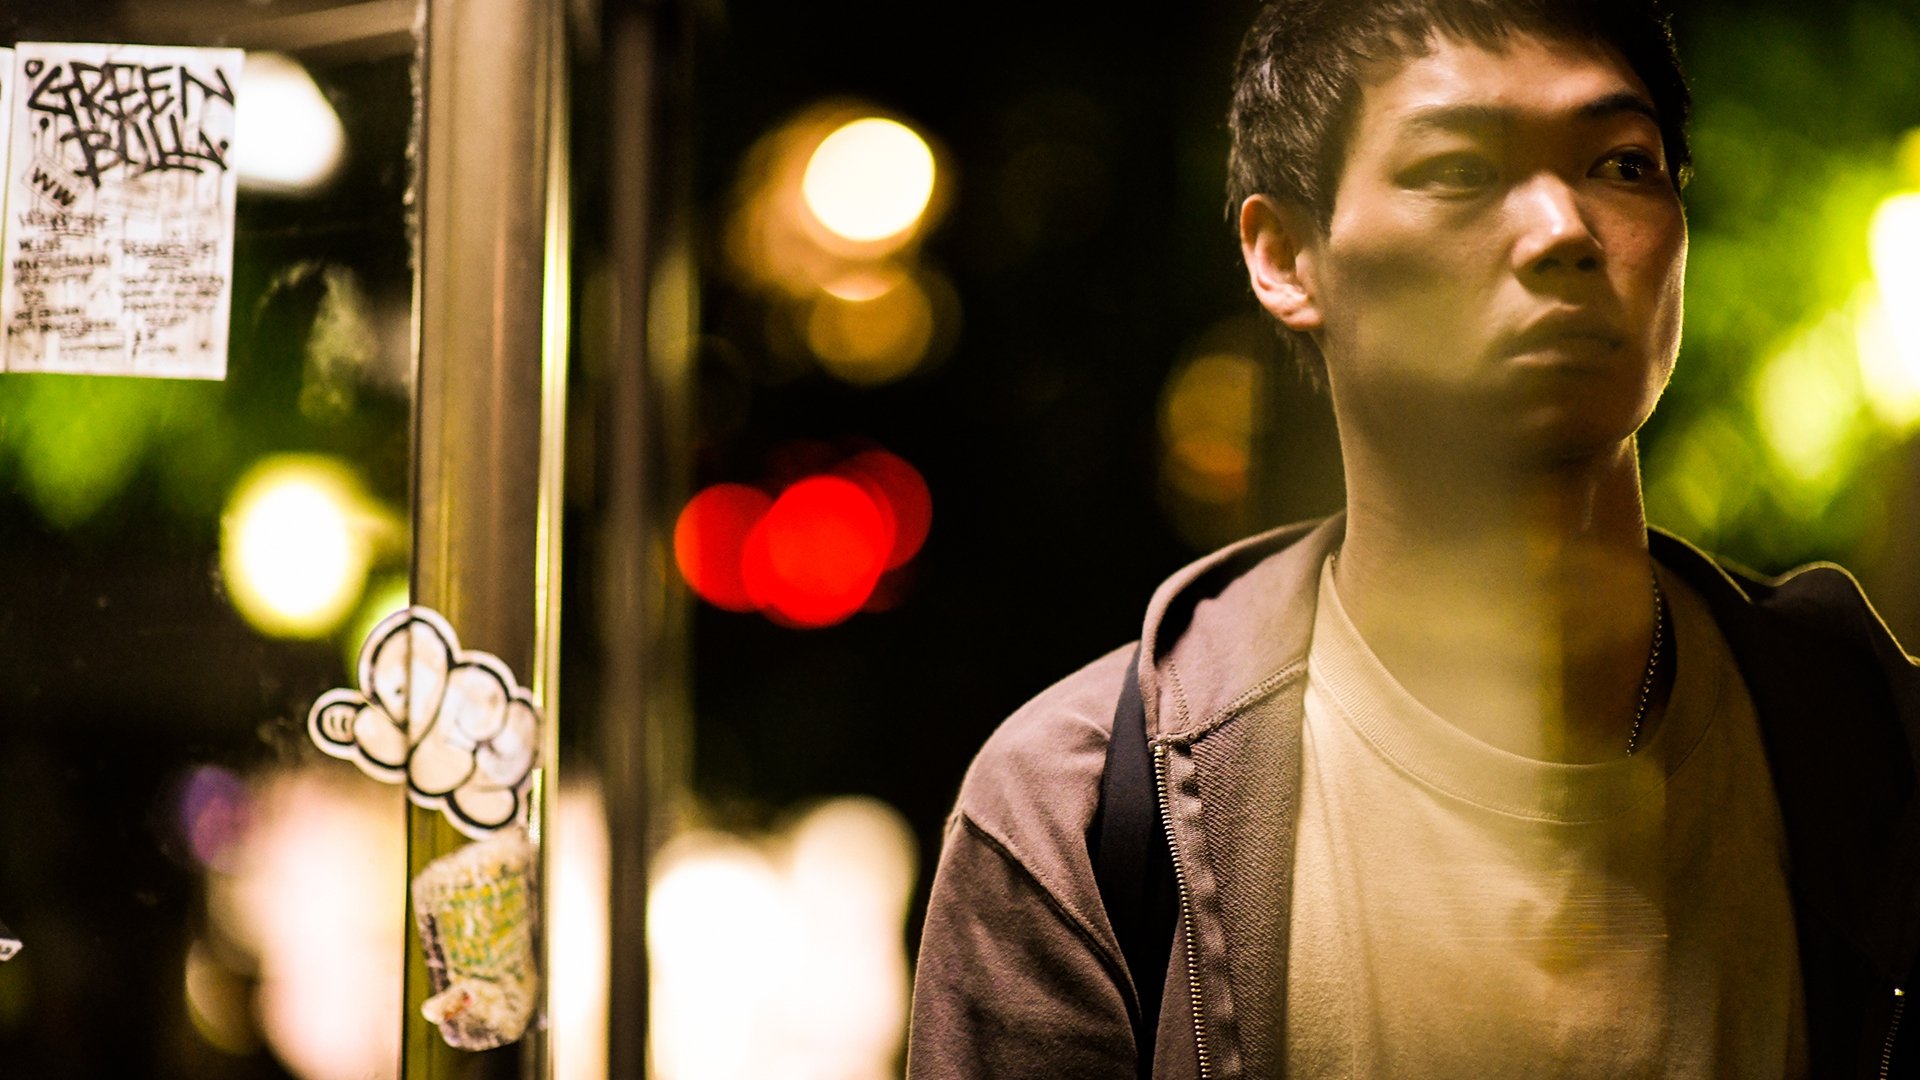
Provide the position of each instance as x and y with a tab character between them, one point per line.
831	545
708	540
899	489
815	557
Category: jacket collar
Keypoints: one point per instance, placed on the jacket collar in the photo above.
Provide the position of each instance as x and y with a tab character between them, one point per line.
1221	629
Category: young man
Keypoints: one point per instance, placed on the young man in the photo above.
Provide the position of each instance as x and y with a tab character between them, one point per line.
1479	778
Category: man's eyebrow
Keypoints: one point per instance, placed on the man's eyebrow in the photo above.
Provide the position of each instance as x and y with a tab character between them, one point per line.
1482	118
1621	101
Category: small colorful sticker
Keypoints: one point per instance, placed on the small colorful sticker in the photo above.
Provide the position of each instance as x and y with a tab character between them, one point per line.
476	909
450	723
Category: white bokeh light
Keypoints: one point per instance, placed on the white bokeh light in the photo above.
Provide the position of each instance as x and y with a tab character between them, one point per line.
287	138
317	899
581	943
1894	242
870	180
718	932
783	956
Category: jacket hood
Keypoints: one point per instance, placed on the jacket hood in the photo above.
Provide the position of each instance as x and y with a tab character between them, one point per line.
1223	629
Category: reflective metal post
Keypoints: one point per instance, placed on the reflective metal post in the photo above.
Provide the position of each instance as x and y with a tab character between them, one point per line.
485	531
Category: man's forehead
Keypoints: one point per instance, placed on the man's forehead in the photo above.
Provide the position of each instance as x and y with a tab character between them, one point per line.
1462	85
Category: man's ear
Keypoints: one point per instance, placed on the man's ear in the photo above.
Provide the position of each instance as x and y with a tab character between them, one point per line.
1276	241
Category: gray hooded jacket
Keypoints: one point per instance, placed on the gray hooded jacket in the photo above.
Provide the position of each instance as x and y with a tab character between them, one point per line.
1020	973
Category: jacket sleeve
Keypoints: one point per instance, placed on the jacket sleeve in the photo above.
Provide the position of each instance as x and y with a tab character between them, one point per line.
1010	983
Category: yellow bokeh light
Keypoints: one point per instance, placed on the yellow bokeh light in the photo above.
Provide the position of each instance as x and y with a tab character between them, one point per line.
217	1002
1206	426
1807	398
870	180
874	339
294	546
865	283
1909	156
287	138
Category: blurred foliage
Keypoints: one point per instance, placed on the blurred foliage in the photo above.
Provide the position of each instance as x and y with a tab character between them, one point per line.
89	453
76	443
1767	448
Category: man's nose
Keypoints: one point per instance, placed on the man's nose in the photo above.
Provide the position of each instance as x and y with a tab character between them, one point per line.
1553	235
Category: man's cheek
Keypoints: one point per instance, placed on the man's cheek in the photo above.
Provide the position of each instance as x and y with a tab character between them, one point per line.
1416	323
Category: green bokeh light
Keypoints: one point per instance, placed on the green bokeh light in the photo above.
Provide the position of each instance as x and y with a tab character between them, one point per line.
1796	390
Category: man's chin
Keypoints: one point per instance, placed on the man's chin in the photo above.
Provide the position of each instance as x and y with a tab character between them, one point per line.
1557	439
1516	426
1544	422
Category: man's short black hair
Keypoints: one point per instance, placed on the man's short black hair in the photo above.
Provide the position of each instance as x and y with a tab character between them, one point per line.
1296	87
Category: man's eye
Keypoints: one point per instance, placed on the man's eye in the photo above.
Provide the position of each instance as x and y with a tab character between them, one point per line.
1460	173
1628	166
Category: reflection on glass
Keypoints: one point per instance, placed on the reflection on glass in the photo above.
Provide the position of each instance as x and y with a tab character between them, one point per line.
179	555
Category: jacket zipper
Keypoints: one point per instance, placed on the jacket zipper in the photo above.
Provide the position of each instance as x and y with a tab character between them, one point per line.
1186	912
1893	1030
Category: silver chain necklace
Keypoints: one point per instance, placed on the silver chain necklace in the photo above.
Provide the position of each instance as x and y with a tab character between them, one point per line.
1653	666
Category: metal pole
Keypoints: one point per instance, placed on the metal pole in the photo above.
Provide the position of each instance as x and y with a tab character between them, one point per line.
485	445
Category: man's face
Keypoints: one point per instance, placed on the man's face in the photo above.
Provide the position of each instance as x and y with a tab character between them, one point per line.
1502	270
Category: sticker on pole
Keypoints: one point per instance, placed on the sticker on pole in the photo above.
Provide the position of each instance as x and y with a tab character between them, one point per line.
121	188
476	910
450	723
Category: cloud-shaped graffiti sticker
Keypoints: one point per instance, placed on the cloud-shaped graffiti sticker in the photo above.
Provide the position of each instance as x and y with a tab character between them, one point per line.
450	723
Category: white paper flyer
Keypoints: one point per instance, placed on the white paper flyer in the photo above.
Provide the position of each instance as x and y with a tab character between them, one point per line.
118	243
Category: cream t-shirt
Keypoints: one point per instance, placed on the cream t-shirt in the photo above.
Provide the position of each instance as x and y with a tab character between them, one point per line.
1460	911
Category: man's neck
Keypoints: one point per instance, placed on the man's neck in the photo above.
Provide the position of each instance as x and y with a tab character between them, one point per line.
1515	603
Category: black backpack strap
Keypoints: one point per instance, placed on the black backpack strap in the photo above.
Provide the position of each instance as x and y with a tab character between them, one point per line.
1132	863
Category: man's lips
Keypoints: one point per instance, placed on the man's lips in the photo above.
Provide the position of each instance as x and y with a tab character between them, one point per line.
1568	330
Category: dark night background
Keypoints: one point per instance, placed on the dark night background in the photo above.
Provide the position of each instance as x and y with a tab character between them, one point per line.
1088	249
